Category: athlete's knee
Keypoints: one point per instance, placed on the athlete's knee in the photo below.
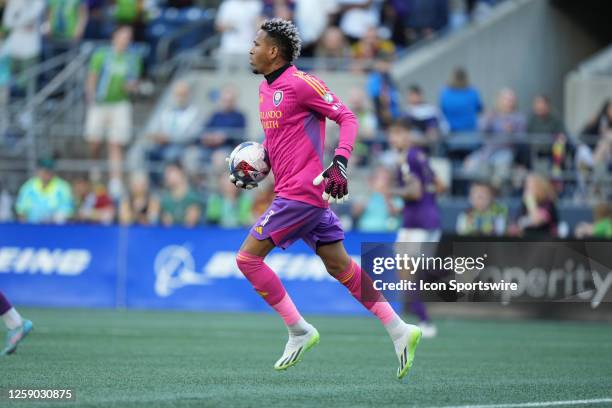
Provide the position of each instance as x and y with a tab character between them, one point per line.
336	265
248	263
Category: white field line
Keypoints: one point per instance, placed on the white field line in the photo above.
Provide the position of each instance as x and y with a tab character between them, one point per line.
536	404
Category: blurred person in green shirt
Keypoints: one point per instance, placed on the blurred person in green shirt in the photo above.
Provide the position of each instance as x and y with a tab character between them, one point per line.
67	19
113	73
180	204
229	207
5	84
601	227
132	13
45	198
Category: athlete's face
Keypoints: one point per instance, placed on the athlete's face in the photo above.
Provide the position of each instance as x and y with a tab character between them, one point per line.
399	138
263	53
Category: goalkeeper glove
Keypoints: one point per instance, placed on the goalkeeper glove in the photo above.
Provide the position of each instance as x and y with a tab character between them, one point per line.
336	183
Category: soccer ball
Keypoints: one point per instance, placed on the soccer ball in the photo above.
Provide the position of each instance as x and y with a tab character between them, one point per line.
249	162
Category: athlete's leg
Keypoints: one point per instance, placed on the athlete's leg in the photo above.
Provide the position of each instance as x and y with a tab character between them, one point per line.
17	326
405	337
346	271
10	316
416	242
302	335
250	260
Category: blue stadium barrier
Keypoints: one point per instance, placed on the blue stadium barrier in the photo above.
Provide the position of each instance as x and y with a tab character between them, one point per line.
158	268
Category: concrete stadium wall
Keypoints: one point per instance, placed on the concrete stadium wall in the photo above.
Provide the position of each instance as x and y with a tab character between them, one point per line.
526	44
587	88
584	97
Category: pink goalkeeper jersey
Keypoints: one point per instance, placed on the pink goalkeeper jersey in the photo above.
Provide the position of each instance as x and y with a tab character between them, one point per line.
292	111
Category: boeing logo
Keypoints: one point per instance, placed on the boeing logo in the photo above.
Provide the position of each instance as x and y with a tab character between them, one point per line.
44	261
175	268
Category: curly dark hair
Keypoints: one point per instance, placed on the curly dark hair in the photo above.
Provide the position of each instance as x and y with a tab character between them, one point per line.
286	36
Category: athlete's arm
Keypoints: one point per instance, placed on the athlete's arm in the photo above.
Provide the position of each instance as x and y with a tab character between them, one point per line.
412	189
314	95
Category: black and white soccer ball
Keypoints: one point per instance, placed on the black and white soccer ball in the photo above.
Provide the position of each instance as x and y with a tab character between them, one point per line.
249	162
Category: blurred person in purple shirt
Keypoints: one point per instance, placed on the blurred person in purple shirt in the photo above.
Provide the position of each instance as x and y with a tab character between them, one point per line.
418	186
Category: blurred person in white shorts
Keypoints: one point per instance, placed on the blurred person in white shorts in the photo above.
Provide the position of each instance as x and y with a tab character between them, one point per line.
113	74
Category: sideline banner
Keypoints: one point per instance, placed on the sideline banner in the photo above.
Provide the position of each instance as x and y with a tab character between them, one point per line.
74	266
509	271
196	269
156	267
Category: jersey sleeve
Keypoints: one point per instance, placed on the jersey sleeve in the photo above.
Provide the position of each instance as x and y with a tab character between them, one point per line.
314	95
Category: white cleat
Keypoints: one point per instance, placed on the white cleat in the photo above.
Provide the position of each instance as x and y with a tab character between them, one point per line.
429	330
405	348
295	349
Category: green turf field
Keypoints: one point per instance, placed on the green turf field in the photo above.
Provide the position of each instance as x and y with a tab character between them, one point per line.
147	359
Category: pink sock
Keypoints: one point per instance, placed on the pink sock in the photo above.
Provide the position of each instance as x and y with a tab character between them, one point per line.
361	287
267	284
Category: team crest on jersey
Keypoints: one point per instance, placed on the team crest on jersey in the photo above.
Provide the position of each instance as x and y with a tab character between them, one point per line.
329	98
277	98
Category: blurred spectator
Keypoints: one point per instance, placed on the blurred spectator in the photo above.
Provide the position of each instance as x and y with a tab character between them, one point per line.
23	43
538	217
358	103
45	198
485	217
96	28
66	22
139	206
333	51
497	154
425	17
542	119
311	18
132	13
357	16
229	206
180	204
174	127
6	205
601	227
278	8
226	126
602	165
544	122
113	73
461	103
383	93
366	144
605	121
458	13
237	21
584	154
5	85
178	4
394	17
371	47
426	117
593	126
378	212
92	202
